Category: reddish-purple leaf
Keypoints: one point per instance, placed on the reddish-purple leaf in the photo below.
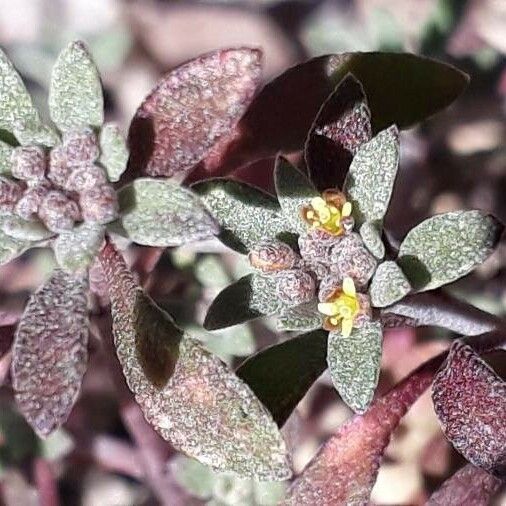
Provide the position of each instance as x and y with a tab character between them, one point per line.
190	110
470	402
50	352
469	486
341	127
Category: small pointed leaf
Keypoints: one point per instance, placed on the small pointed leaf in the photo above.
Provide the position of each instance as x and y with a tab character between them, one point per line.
248	298
281	374
246	214
371	236
113	151
354	364
157	212
50	352
10	248
342	125
469	485
293	190
76	249
470	402
23	230
75	93
371	177
204	410
446	247
388	285
302	318
191	109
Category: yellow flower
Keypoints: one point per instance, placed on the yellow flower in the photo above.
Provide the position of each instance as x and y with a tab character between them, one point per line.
341	309
327	212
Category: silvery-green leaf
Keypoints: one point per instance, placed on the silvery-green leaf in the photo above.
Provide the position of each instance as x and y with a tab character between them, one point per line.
77	248
304	318
445	247
193	476
10	248
157	212
388	285
23	230
17	111
75	93
371	235
371	177
269	493
354	364
232	341
246	214
113	151
248	298
294	189
5	158
36	134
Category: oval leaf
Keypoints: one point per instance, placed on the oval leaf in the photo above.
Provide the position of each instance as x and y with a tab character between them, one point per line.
371	177
248	298
470	402
293	190
388	285
354	364
305	317
204	410
75	93
246	214
162	213
113	151
281	374
448	246
49	355
342	125
191	109
371	235
10	248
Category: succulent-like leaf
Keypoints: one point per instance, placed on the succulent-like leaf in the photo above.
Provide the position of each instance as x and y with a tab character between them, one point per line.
469	485
248	298
25	231
17	112
305	317
371	177
193	476
10	248
113	151
294	190
49	355
157	212
75	93
204	410
345	469
342	125
246	214
470	402
371	235
445	247
191	109
5	158
75	249
281	374
354	364
388	285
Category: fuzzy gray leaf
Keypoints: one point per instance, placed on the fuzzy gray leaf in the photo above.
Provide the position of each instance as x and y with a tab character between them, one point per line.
157	212
75	93
371	235
446	247
113	151
5	158
371	177
246	214
294	190
10	248
49	355
354	364
388	285
23	230
302	318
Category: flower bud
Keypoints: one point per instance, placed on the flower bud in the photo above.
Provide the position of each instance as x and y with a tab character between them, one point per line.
81	146
272	256
10	193
85	177
29	163
59	171
295	286
58	212
99	204
28	205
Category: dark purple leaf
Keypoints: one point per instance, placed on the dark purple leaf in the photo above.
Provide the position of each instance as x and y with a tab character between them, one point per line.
470	402
49	355
341	127
469	486
190	110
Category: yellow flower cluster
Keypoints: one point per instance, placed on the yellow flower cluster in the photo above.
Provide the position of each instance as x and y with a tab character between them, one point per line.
327	212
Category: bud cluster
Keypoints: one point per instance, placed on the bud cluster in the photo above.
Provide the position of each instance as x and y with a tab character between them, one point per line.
59	187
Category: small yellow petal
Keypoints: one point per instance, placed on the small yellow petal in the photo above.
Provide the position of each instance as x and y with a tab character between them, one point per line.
327	308
349	287
346	327
318	203
310	215
346	210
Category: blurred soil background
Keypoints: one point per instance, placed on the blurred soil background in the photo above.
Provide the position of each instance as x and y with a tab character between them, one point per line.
455	160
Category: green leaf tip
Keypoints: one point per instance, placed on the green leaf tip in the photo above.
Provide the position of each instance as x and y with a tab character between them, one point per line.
388	285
